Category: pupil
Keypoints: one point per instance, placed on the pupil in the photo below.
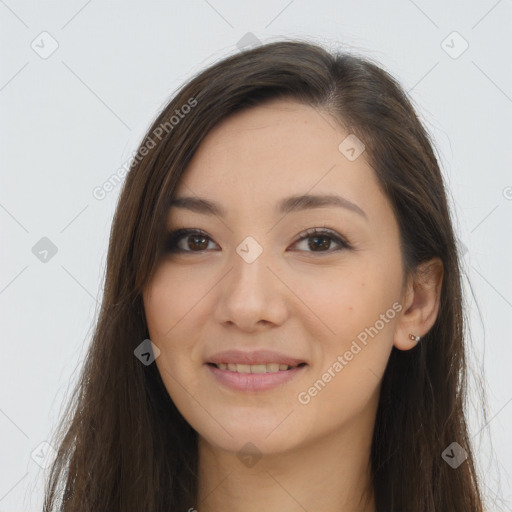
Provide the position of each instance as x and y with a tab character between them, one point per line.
325	245
198	237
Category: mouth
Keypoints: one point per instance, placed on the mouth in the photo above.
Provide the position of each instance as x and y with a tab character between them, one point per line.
256	368
247	378
254	371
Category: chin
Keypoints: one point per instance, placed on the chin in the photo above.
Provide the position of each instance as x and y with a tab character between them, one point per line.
269	435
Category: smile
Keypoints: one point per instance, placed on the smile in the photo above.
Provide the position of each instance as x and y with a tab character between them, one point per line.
254	378
255	368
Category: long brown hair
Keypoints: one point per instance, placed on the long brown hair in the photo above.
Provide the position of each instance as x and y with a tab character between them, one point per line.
123	445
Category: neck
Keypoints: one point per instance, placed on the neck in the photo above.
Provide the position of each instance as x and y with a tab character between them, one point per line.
330	474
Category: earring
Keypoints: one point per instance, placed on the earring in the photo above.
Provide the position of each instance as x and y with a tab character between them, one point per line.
414	338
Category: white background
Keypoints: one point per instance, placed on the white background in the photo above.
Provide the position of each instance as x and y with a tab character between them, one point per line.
70	120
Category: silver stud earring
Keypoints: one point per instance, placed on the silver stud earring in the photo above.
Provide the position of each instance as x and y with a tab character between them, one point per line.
414	338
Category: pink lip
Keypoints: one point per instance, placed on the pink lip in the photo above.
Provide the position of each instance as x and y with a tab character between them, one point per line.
253	357
253	381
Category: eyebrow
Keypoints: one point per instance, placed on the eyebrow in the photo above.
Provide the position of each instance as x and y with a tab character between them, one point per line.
284	206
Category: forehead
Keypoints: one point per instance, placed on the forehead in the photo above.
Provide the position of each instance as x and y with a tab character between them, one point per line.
257	156
272	131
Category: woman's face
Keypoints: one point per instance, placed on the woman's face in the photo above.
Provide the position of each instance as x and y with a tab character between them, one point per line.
255	285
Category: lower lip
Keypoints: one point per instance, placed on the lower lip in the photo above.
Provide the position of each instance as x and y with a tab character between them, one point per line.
254	381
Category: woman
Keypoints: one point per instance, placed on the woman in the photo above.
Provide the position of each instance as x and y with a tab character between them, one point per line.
282	323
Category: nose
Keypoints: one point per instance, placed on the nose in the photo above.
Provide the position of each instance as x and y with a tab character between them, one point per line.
251	296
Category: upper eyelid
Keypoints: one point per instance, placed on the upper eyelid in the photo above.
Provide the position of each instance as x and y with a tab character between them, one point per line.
338	238
179	232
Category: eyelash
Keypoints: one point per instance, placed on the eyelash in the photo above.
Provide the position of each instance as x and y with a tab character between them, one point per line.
175	236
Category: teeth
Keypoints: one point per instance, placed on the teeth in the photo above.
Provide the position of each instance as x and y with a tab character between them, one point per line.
253	368
258	368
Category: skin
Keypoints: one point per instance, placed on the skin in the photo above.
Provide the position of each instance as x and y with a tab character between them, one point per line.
307	303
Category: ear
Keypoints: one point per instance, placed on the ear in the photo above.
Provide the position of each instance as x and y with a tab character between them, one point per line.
420	300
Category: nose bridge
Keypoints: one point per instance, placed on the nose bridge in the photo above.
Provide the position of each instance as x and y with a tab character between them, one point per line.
251	292
249	274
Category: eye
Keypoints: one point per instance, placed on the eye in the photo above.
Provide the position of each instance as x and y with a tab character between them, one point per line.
321	239
195	241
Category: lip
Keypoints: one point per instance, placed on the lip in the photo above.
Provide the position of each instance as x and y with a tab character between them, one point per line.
254	381
253	357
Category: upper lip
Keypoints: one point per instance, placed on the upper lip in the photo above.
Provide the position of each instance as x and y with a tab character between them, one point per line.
253	357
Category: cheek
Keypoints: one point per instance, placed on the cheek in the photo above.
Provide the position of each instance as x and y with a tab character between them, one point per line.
347	300
168	299
359	308
346	381
163	312
169	302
